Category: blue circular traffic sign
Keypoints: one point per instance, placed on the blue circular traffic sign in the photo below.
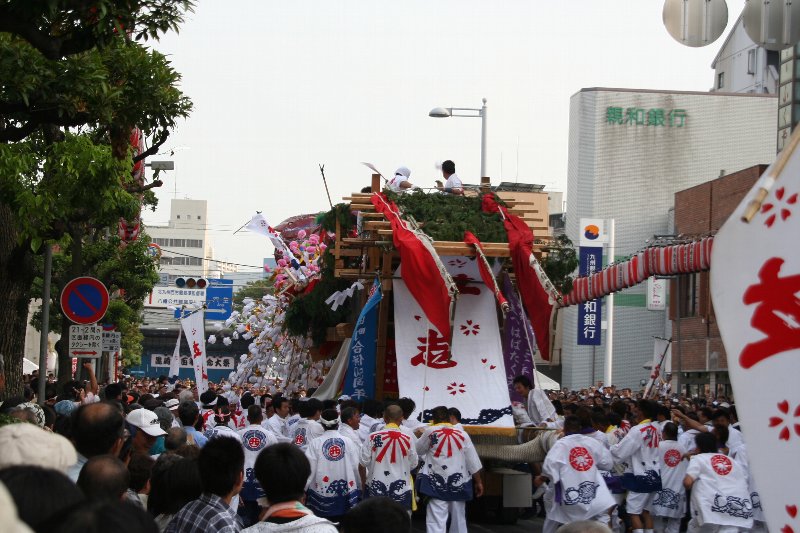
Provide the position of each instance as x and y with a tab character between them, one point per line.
84	300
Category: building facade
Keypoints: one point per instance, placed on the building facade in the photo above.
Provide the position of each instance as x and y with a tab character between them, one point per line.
630	151
742	66
699	361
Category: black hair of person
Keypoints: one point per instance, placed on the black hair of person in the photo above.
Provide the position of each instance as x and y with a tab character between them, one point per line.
706	442
449	167
440	414
376	514
282	470
525	381
174	482
309	408
96	428
39	493
188	413
572	424
101	517
221	462
104	477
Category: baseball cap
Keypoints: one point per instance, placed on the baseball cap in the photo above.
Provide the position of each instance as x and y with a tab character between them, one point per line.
172	403
344	398
145	420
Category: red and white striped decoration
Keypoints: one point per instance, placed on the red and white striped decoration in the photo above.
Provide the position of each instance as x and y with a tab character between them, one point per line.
654	261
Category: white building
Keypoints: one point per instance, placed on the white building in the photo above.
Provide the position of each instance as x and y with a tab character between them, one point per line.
742	66
185	242
629	152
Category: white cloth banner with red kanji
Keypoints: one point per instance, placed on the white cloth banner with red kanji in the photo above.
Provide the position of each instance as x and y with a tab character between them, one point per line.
755	287
471	376
194	329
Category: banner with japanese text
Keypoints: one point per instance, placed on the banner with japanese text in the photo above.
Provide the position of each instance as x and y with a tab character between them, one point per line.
755	283
518	340
590	313
193	328
359	382
468	372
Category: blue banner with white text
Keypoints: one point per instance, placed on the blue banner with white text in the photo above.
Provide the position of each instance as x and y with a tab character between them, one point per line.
359	382
589	313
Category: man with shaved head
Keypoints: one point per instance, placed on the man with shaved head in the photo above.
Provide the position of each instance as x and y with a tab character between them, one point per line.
97	429
104	477
387	458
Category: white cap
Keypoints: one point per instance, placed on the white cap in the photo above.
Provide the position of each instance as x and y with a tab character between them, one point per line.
145	420
403	171
172	403
344	398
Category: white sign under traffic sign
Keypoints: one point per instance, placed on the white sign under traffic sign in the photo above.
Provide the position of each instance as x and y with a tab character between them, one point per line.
111	341
85	341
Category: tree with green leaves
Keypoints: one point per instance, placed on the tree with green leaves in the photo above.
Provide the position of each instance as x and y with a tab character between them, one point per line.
255	289
74	81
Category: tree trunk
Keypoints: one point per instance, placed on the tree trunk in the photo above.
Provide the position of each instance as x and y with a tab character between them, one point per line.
16	277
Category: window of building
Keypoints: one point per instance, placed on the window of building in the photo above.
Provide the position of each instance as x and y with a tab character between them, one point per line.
751	61
179	216
198	217
720	80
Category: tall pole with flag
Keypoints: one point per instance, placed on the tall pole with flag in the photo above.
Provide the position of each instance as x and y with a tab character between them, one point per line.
755	283
359	382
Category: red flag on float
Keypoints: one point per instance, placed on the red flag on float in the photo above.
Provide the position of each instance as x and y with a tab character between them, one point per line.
531	279
486	270
755	283
425	276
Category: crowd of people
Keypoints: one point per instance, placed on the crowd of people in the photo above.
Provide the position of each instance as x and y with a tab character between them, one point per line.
150	455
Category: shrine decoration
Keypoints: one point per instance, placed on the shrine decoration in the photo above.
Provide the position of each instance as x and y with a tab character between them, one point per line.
537	292
686	258
423	273
486	270
467	371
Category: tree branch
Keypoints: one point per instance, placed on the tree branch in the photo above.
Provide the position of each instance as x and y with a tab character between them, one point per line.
153	150
53	48
143	188
11	134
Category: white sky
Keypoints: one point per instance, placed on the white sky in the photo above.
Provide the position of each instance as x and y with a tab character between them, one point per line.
280	87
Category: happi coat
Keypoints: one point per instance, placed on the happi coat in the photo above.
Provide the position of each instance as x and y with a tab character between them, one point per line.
254	439
573	465
334	486
638	450
389	455
670	501
720	494
304	431
448	462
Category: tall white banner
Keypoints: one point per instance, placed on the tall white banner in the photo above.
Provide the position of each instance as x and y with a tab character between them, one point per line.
755	286
469	375
194	329
175	361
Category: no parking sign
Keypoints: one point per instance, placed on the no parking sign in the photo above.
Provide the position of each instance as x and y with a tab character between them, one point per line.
84	300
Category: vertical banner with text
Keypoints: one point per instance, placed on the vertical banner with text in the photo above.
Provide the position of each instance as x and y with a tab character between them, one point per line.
193	328
359	382
590	313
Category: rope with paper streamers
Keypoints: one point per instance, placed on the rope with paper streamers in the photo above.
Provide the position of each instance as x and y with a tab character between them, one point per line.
338	298
670	260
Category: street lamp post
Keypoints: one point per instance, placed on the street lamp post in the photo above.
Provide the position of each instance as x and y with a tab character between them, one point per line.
445	112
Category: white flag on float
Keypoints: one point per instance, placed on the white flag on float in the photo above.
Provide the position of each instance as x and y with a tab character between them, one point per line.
194	329
755	287
467	373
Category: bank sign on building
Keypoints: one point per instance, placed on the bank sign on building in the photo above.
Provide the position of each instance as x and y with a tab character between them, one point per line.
630	151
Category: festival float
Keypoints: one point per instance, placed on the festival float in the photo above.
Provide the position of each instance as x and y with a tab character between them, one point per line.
443	299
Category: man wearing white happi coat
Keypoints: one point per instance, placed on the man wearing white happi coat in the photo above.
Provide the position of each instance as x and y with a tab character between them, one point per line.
573	467
334	486
349	424
387	458
639	451
254	439
308	427
277	422
539	407
669	504
720	495
450	472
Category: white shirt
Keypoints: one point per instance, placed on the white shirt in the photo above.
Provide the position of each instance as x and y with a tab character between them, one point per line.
351	433
394	183
453	182
334	486
304	431
539	407
639	449
277	425
254	438
449	461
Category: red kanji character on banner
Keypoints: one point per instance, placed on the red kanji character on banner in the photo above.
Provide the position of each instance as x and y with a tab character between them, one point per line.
196	349
461	282
438	354
777	315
